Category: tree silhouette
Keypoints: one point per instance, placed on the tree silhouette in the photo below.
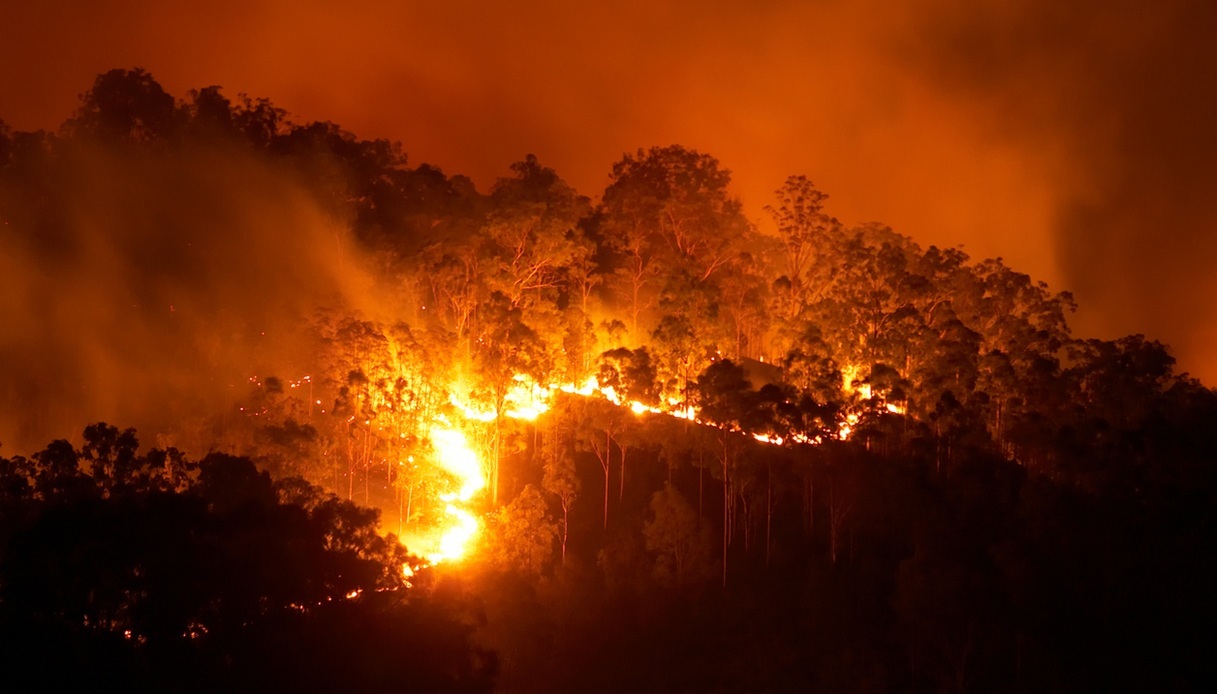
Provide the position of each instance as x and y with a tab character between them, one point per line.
126	106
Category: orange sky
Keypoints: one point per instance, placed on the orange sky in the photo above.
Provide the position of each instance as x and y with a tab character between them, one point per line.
1064	142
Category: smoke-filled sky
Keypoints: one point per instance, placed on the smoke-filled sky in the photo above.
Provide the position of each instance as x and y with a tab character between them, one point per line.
1078	140
108	318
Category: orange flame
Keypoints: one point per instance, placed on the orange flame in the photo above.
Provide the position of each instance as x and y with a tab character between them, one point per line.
456	457
527	400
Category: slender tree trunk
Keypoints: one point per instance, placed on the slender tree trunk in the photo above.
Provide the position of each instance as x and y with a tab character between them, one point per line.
811	505
565	527
809	517
833	525
937	449
337	474
494	465
621	489
726	531
838	511
741	499
727	494
605	463
351	467
701	487
367	463
768	515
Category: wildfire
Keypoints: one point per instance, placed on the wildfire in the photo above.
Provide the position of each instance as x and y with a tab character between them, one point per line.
524	400
527	400
454	455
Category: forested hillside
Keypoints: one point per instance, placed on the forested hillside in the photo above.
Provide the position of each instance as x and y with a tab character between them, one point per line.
713	453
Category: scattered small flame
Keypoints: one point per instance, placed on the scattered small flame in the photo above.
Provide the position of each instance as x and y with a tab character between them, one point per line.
847	427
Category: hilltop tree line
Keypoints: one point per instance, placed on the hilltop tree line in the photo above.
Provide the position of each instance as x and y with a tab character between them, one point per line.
534	279
1013	508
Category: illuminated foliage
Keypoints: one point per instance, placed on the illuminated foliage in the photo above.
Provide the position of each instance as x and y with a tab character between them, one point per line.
673	230
524	533
533	225
673	534
560	479
807	234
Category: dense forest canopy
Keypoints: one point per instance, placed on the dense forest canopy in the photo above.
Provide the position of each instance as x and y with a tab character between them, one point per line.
824	456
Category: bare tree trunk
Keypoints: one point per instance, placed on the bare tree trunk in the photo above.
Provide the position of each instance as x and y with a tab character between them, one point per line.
701	487
494	466
937	449
367	463
742	499
809	497
727	494
351	466
768	515
838	511
565	528
811	505
726	530
621	489
410	503
834	523
605	462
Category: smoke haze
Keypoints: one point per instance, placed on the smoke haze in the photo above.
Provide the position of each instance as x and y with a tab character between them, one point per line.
1074	140
770	89
156	285
1122	96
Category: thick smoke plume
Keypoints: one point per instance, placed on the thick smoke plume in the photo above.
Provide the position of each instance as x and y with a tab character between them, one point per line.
1120	96
150	286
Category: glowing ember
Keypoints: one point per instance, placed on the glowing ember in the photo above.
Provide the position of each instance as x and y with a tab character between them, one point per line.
847	427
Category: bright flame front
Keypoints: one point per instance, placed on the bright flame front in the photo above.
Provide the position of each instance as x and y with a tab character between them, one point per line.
526	400
455	456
